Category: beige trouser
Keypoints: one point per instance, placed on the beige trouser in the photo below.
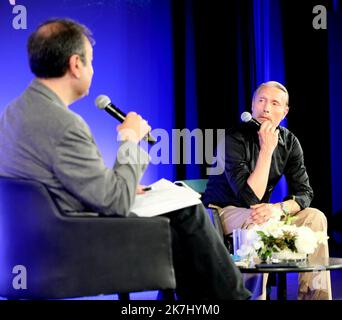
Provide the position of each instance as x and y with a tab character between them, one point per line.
312	285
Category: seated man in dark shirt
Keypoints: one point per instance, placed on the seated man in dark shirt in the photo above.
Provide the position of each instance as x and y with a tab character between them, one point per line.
255	160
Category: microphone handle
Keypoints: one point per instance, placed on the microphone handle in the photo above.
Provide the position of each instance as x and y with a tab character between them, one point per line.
121	116
116	113
256	122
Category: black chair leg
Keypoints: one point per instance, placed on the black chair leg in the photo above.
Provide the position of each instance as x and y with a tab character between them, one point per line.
124	296
271	282
268	292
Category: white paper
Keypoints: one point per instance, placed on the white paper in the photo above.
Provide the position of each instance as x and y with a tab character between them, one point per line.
164	197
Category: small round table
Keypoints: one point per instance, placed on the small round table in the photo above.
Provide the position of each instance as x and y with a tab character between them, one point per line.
281	271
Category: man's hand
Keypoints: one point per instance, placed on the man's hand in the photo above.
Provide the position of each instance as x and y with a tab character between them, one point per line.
140	189
268	140
262	212
134	128
268	137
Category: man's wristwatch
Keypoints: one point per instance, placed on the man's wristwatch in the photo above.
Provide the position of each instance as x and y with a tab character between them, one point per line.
285	208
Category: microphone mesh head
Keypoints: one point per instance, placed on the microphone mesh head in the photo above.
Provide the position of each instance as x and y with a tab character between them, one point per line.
102	101
246	116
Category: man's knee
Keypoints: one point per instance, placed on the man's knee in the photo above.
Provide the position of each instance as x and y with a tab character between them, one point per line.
313	218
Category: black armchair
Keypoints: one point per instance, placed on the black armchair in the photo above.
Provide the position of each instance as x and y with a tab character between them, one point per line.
77	256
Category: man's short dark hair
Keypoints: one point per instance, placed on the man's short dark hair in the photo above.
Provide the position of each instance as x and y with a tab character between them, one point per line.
52	44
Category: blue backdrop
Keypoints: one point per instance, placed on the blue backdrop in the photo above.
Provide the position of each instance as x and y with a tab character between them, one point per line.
133	62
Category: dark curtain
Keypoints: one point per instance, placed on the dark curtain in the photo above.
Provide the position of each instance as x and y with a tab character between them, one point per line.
221	39
307	76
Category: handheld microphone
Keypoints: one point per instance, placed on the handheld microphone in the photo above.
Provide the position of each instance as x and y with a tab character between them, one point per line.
103	102
247	117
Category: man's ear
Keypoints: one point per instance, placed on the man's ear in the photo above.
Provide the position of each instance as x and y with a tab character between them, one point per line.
74	65
286	111
252	107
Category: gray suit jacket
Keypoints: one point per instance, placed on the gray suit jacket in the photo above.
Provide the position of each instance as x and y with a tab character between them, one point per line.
41	139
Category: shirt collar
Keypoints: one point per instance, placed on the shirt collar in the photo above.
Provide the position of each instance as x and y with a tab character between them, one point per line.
280	137
47	92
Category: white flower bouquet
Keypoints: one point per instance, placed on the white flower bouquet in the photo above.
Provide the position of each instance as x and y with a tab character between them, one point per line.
280	240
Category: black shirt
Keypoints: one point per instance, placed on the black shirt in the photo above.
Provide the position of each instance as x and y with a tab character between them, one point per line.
240	151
